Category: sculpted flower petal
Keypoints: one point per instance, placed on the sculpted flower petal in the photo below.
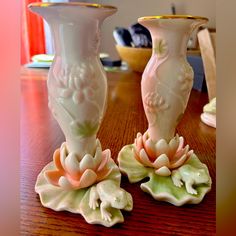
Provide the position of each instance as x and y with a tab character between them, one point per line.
178	162
88	178
144	158
63	154
162	147
181	143
64	183
181	152
139	143
173	145
97	157
53	176
190	152
163	171
86	163
150	149
161	161
72	165
103	173
105	157
161	156
57	161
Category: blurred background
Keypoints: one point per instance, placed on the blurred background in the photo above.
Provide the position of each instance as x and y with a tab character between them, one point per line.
37	39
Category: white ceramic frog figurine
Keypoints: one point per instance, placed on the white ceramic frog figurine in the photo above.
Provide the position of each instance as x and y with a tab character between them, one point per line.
190	176
111	195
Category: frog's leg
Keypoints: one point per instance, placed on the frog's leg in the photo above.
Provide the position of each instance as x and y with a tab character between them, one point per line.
105	214
176	178
189	187
93	198
129	205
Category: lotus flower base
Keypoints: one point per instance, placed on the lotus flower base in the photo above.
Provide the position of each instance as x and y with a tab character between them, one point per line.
90	186
176	184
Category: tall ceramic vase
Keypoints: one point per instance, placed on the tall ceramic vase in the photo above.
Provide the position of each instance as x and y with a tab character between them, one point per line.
86	178
176	174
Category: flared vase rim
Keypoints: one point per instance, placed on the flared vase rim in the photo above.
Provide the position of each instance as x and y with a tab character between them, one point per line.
190	17
70	4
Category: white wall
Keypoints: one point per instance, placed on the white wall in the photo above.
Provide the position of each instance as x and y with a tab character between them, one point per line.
130	10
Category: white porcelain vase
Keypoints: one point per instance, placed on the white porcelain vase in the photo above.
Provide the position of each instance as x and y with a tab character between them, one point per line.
81	178
175	173
77	84
168	78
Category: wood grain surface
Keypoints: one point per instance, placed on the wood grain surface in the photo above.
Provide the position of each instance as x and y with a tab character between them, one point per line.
41	135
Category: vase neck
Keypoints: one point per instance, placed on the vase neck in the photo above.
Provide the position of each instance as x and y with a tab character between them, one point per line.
76	42
175	41
75	27
171	35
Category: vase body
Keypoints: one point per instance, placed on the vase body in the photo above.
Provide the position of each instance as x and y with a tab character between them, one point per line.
168	78
77	84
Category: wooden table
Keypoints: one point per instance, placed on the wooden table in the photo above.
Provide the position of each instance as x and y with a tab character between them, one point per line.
41	135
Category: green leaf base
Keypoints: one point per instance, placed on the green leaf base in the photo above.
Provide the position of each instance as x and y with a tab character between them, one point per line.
77	201
162	188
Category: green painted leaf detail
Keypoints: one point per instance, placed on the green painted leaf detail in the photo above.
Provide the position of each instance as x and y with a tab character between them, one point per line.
161	188
160	47
85	129
129	165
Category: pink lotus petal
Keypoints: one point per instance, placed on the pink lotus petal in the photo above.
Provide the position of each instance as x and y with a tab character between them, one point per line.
173	145
181	152
190	153
162	147
145	137
139	144
53	176
163	171
178	162
139	135
64	183
105	157
86	163
87	179
150	149
136	154
103	173
57	161
97	157
72	165
144	158
63	154
161	161
181	144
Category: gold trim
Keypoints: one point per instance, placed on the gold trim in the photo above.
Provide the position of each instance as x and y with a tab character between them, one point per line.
81	4
173	17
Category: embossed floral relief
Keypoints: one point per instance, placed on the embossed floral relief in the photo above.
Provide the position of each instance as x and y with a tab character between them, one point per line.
154	103
162	156
94	45
185	77
73	172
77	82
160	47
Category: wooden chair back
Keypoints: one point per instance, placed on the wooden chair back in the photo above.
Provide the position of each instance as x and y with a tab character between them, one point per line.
208	52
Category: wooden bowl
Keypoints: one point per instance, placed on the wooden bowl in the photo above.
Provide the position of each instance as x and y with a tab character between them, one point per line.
137	58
